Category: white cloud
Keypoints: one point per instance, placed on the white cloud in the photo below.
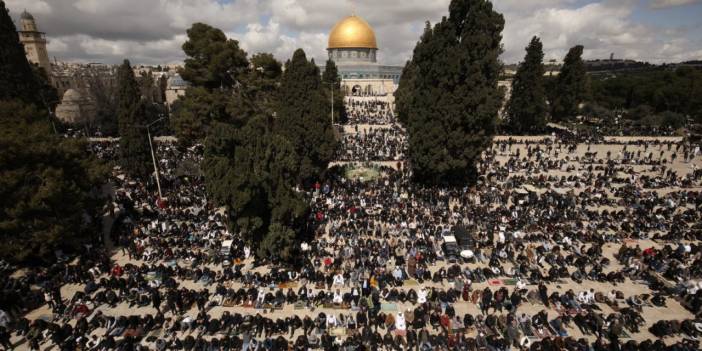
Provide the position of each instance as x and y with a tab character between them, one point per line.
152	31
662	4
37	7
603	28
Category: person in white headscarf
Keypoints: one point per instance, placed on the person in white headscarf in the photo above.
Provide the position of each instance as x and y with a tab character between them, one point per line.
338	298
331	321
400	323
422	295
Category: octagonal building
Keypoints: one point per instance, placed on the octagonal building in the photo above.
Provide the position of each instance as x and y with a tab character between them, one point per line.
354	48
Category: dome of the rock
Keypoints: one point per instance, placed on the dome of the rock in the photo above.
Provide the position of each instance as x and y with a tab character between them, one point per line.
352	32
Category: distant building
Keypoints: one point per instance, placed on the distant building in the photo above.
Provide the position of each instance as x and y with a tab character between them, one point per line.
34	42
175	88
612	64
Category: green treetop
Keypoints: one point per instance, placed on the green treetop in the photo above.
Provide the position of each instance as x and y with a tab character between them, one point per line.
213	61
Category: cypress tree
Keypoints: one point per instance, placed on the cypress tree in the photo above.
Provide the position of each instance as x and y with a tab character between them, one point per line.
17	80
404	93
135	152
251	170
527	107
330	79
47	188
451	116
303	117
572	86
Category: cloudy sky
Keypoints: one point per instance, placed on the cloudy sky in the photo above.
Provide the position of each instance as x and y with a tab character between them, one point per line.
152	31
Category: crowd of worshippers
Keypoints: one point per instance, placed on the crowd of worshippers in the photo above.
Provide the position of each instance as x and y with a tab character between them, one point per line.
379	275
367	93
373	144
369	111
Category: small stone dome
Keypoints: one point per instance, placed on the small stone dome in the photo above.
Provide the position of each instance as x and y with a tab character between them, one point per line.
71	95
74	108
26	16
176	82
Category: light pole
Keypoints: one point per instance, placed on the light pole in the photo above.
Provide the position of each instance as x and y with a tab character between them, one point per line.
331	87
153	156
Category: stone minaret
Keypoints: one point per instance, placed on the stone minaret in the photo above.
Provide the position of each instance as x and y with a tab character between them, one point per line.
34	42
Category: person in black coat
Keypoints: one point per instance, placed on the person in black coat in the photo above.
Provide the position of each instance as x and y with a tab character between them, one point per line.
156	299
543	294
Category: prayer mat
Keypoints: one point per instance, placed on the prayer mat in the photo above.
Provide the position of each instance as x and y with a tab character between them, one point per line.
287	285
46	318
156	333
509	282
527	330
338	331
411	282
565	333
533	339
299	305
402	333
494	282
487	331
151	276
388	307
542	333
228	303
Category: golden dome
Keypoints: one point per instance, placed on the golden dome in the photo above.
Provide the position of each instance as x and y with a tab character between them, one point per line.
352	32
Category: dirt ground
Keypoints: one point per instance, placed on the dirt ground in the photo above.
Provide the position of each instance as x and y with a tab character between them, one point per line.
651	313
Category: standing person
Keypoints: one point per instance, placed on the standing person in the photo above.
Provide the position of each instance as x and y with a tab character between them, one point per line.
485	301
512	335
515	300
499	300
5	338
48	299
156	299
543	293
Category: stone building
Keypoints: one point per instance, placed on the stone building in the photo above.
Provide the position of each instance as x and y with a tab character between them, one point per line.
34	42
